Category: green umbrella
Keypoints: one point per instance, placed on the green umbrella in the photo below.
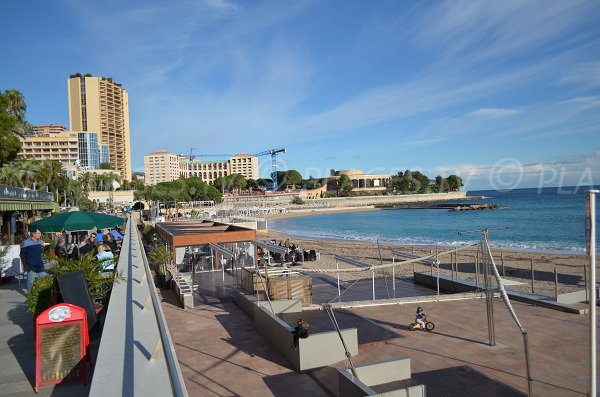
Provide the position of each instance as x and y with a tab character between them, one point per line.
76	221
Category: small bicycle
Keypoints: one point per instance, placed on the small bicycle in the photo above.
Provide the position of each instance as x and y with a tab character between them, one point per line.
429	326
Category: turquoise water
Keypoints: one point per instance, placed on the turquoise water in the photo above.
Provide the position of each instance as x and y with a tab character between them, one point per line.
549	219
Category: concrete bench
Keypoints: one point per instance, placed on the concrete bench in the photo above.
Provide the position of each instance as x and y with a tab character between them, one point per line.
184	292
395	373
318	350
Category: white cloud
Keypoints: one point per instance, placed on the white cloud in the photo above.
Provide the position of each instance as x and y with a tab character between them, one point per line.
477	31
493	112
510	173
585	74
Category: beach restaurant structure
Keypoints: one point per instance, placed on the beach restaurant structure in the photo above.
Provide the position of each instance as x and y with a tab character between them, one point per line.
208	246
362	183
20	206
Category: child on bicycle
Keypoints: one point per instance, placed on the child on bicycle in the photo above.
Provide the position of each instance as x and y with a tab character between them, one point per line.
421	318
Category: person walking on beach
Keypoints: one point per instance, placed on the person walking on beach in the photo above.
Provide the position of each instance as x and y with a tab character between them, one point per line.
300	331
31	257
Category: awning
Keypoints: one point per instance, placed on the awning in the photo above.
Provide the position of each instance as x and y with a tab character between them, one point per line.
17	205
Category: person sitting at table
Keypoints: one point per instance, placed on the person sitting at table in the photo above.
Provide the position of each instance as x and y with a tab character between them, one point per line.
110	241
88	245
105	257
61	248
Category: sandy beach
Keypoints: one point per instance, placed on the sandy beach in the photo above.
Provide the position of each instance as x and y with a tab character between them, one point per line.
570	268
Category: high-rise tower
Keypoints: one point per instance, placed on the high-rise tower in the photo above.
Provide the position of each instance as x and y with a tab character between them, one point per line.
98	104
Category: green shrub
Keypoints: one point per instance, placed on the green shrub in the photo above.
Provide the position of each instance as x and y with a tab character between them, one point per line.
99	283
298	200
148	233
160	257
39	296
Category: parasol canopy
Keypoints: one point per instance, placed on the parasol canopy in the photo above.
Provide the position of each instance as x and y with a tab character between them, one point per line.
76	221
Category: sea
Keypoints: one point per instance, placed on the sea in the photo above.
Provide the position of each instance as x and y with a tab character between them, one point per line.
532	219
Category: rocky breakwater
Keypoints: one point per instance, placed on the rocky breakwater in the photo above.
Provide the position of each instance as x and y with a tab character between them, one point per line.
475	207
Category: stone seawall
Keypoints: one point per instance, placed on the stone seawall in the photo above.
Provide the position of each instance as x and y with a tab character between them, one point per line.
382	200
364	201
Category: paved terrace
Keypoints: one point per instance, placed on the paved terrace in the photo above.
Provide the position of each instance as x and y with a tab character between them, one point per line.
221	354
17	349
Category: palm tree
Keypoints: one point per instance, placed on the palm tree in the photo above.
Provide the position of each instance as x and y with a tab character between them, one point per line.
50	173
76	191
16	104
28	172
9	174
86	180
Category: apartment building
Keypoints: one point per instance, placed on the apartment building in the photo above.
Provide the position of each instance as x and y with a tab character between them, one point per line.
98	104
244	164
48	129
91	152
161	166
51	142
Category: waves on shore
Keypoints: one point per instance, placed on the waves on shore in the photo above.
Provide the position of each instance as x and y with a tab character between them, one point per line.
550	247
548	220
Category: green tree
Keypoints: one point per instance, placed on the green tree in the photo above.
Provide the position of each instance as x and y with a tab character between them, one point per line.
9	174
251	184
190	189
439	185
454	183
87	205
231	183
137	185
312	183
86	180
294	178
28	173
50	173
16	104
288	178
406	182
344	186
105	166
125	185
421	182
12	112
264	183
238	182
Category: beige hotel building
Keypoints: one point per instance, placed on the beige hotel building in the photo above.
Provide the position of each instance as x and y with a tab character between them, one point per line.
51	142
163	166
98	104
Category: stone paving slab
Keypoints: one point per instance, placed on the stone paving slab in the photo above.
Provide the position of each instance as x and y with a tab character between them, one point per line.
368	331
558	343
221	354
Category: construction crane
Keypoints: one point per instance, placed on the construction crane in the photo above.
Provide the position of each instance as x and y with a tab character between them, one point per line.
273	153
192	156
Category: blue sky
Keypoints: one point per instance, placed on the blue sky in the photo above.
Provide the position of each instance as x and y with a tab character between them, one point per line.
505	94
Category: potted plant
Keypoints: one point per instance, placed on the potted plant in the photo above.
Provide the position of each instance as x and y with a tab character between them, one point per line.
161	257
99	282
39	296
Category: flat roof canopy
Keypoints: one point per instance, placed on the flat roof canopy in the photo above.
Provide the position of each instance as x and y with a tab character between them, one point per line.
182	234
271	247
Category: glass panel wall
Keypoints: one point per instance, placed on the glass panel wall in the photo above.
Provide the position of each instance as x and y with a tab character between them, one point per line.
200	258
